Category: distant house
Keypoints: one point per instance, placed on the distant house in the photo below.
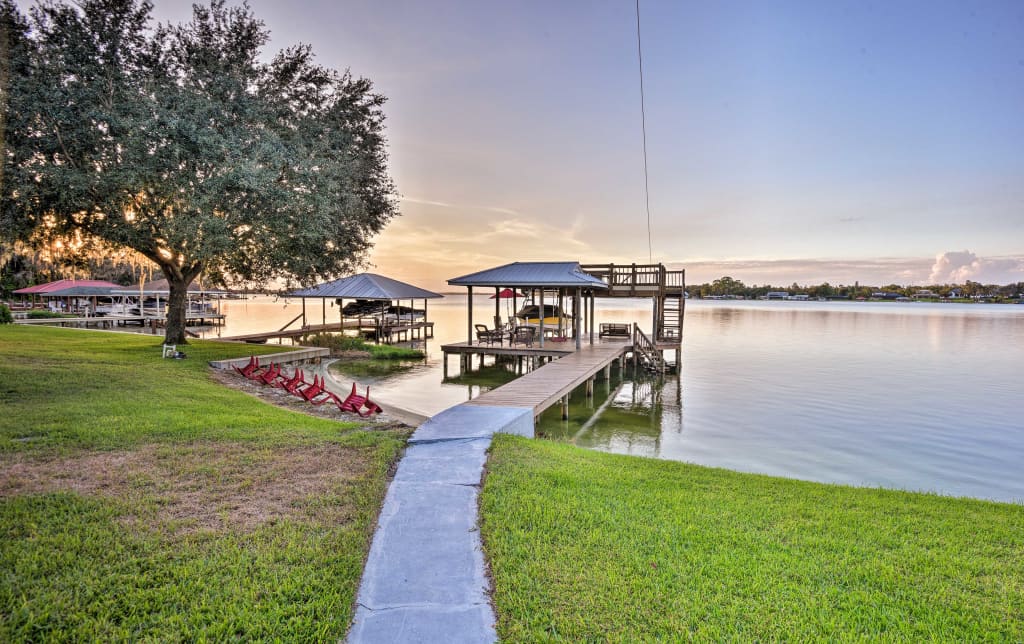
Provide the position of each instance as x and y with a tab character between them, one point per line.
777	295
800	297
884	295
925	294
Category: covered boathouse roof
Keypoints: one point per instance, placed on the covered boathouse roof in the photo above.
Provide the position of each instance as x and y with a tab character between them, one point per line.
65	285
532	274
366	286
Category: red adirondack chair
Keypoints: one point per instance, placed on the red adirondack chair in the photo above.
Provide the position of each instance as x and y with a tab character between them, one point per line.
289	384
269	376
249	369
328	396
355	403
312	390
294	386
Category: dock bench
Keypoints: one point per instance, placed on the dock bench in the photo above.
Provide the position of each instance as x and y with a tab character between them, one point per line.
614	329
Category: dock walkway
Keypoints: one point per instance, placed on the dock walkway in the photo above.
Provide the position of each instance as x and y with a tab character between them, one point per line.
543	387
425	577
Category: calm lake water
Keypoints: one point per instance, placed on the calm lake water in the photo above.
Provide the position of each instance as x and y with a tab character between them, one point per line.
914	396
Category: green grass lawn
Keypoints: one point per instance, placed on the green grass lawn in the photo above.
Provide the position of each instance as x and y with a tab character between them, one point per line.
139	499
586	546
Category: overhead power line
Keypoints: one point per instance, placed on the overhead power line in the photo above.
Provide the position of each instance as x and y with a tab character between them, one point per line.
643	127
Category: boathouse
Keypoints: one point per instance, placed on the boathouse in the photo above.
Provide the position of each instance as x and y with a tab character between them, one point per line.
550	286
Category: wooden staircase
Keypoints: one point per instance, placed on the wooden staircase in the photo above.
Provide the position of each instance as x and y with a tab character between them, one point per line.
646	352
670	319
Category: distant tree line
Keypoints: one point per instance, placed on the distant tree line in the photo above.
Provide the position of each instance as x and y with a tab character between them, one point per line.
727	286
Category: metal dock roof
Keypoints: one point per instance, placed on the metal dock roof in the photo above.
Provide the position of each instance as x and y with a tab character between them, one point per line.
532	274
366	286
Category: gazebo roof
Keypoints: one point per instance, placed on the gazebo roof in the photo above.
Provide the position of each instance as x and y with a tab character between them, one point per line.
366	286
81	291
532	274
62	285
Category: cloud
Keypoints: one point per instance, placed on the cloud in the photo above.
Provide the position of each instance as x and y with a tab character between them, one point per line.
501	211
427	202
956	267
445	204
946	268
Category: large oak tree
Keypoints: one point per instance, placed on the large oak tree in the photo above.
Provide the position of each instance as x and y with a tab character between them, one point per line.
181	143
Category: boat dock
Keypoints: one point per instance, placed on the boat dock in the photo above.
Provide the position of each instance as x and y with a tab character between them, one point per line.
436	588
113	321
400	332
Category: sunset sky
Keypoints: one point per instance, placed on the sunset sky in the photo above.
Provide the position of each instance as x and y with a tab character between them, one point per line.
788	141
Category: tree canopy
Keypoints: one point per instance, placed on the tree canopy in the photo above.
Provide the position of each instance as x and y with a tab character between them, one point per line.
181	143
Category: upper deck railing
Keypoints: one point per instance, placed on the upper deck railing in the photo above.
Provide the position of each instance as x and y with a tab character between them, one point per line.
638	279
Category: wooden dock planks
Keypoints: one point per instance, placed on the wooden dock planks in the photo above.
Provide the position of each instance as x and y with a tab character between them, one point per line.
545	386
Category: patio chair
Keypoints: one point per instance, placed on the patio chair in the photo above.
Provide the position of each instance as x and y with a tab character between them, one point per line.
355	403
315	390
328	396
289	384
260	370
483	334
524	335
247	370
294	386
269	376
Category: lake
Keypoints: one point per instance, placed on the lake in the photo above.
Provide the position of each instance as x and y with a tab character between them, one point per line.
913	396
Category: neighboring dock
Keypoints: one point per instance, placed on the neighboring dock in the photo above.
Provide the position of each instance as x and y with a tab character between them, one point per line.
113	321
401	332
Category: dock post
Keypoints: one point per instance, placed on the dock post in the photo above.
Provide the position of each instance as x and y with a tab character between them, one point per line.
590	387
565	407
444	361
608	371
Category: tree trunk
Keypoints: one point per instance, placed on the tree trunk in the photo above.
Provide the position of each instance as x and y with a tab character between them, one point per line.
176	305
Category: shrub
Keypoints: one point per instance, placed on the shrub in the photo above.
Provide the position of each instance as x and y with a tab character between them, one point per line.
5	315
388	352
40	314
337	343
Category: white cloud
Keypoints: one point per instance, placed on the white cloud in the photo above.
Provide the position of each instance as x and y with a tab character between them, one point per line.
956	267
427	202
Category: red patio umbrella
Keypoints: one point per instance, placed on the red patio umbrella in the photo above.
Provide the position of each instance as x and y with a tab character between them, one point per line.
506	294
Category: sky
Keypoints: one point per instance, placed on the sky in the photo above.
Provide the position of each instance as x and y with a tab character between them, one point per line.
879	142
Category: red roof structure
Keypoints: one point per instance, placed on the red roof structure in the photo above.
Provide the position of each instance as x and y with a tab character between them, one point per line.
60	285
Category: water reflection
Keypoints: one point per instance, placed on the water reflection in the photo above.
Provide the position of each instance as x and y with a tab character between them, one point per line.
628	414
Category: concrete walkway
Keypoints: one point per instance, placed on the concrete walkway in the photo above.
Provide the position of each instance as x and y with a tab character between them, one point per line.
425	579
